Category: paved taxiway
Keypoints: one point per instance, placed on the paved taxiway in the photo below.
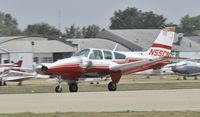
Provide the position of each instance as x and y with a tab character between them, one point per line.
156	100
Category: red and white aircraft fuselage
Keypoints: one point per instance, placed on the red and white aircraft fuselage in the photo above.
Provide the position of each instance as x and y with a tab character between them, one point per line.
99	62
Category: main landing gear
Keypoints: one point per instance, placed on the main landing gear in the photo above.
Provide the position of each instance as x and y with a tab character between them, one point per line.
73	87
112	86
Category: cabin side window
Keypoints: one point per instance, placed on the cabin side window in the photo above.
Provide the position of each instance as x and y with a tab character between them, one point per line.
96	54
83	53
119	56
107	55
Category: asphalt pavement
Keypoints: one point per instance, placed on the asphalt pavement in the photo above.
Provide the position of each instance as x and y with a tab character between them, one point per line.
148	100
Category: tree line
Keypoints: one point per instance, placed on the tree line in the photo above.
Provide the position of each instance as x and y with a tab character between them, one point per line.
9	27
130	18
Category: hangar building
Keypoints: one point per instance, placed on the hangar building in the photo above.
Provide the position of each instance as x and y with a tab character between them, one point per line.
39	50
97	43
141	40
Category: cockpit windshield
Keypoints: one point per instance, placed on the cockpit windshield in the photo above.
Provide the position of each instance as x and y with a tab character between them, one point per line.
83	53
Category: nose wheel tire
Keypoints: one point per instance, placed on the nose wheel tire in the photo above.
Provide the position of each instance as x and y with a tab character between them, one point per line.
58	89
73	87
112	86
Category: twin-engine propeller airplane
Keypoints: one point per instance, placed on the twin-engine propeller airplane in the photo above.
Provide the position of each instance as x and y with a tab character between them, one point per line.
99	62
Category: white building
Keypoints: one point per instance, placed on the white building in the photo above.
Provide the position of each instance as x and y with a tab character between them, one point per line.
33	49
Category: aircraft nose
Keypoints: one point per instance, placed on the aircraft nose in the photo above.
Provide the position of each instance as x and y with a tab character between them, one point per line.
174	68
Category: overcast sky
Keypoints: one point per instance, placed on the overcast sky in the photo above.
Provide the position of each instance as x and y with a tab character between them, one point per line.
87	12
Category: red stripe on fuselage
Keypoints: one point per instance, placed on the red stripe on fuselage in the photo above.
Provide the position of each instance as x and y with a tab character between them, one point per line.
162	46
75	68
65	69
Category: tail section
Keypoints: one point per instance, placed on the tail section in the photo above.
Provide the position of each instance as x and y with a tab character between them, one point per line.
18	63
162	46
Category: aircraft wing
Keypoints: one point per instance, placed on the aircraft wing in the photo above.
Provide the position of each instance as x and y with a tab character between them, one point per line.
18	78
128	67
6	65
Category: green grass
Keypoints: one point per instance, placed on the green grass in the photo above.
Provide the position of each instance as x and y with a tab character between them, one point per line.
107	114
127	83
40	88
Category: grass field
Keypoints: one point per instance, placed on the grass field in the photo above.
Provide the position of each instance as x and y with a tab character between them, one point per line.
126	83
107	114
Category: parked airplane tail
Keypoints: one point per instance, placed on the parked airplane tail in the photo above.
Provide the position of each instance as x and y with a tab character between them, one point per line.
18	63
162	46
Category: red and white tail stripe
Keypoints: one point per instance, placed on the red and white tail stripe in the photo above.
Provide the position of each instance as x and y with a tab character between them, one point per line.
18	63
162	46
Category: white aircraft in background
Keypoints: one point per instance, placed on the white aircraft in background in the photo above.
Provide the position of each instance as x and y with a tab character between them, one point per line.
187	69
5	68
165	70
14	73
99	62
10	65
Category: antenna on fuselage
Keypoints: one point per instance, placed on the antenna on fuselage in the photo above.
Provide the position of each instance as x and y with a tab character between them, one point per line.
115	47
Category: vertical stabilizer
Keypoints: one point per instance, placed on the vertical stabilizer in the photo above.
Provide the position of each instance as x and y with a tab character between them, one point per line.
162	46
18	63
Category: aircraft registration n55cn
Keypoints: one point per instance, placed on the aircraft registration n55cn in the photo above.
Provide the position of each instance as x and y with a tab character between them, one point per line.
99	62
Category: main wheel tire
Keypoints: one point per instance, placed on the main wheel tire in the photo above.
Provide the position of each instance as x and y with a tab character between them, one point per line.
58	89
73	87
112	86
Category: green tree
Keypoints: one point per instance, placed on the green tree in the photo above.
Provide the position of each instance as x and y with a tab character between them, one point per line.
132	18
151	20
190	25
42	30
85	32
8	25
73	32
90	31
